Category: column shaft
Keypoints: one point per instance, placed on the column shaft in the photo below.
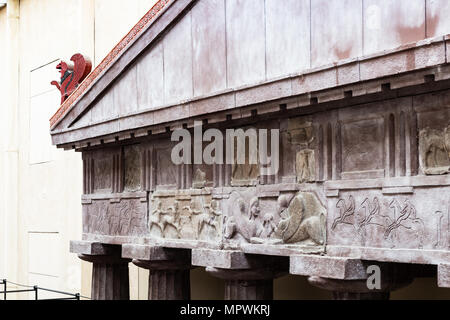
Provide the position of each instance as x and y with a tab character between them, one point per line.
169	285
110	281
249	290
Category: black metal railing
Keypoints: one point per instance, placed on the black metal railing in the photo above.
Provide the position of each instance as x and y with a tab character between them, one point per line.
36	289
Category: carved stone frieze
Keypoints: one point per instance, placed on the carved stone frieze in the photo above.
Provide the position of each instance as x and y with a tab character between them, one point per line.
126	217
291	219
395	222
185	216
303	219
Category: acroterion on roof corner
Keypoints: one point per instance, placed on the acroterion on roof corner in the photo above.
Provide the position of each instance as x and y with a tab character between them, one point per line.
108	60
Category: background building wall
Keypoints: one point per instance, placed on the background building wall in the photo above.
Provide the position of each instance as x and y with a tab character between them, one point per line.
41	210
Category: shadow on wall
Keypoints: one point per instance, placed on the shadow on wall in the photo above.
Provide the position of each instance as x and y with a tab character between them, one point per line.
206	287
423	289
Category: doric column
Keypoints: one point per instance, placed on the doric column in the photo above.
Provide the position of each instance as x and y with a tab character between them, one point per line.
247	277
169	270
110	278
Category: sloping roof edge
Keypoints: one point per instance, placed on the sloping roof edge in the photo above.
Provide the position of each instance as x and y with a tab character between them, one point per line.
108	60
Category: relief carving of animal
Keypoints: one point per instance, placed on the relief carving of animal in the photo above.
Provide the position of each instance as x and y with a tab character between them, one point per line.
346	212
405	216
302	219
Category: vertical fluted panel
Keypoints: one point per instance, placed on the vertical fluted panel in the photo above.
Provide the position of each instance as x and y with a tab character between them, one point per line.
169	285
249	290
361	295
110	282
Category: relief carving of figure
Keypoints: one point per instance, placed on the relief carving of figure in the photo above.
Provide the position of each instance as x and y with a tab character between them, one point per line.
171	217
305	166
301	135
193	212
303	218
244	222
434	150
209	218
155	217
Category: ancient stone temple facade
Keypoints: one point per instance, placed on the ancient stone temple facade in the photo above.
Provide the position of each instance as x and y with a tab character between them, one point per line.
361	149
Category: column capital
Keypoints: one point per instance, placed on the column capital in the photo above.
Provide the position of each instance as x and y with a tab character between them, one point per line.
98	253
110	280
157	258
169	270
264	273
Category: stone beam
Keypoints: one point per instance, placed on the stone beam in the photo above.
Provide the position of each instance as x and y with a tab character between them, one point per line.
328	267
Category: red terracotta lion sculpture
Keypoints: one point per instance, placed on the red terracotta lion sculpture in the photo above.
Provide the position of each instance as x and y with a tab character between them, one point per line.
72	74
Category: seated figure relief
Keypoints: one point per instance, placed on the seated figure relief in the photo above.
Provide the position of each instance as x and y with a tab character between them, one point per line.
244	223
434	150
301	220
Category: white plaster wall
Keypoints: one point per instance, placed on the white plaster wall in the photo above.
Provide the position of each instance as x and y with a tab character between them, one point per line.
50	182
3	240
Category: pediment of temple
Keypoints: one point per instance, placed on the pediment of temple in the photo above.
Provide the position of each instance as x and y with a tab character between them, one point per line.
212	60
